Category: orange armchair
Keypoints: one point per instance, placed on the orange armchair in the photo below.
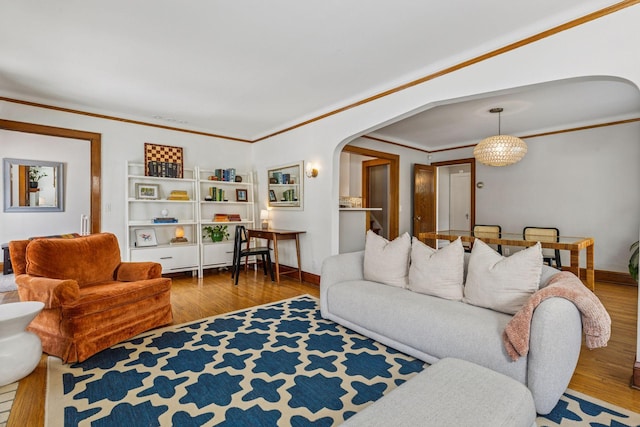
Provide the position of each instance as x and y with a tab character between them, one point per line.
92	299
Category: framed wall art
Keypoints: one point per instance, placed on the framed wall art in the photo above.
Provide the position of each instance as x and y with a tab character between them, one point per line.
146	237
163	161
241	195
147	191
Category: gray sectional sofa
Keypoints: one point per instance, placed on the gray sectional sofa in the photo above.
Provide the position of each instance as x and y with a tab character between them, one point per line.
431	328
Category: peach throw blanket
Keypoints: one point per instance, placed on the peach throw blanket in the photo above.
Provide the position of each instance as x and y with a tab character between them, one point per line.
596	323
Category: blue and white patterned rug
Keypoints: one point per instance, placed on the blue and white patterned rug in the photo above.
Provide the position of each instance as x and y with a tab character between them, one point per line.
279	364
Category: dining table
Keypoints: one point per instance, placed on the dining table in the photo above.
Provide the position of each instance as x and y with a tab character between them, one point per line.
567	243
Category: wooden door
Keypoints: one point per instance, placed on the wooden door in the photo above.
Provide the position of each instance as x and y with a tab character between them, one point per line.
375	194
424	200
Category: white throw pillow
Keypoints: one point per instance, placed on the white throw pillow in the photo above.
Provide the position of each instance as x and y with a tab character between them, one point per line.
387	262
439	273
502	283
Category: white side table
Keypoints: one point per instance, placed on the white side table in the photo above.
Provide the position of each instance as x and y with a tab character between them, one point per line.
20	351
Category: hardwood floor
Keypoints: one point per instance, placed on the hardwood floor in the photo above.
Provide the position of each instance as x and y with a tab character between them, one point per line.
603	373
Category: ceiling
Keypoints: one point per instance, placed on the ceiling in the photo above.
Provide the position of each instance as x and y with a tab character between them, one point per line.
247	69
536	109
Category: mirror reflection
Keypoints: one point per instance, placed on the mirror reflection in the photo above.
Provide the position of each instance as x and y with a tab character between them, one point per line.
285	186
32	186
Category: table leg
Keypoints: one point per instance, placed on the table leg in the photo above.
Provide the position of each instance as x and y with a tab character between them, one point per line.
574	265
298	255
591	268
275	255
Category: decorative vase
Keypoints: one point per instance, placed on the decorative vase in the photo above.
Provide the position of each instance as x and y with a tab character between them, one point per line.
217	236
20	351
33	184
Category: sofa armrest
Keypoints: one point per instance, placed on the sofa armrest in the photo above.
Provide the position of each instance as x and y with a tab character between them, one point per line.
554	348
52	292
339	268
134	271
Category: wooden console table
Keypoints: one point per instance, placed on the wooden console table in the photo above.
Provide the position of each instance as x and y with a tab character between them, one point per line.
572	244
275	236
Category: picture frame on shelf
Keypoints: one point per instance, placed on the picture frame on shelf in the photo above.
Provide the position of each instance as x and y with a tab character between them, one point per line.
147	191
272	196
145	237
241	195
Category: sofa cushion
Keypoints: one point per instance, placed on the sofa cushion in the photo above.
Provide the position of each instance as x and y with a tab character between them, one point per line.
502	283
387	262
437	272
424	326
88	259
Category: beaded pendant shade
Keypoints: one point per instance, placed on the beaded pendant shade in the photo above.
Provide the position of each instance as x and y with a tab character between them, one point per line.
500	150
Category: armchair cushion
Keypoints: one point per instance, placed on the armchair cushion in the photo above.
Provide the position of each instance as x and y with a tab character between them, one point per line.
17	251
132	271
91	259
52	292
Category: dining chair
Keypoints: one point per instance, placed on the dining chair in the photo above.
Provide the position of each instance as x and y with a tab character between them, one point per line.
482	231
240	251
545	234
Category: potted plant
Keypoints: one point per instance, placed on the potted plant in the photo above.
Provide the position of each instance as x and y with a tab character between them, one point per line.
35	175
633	261
216	233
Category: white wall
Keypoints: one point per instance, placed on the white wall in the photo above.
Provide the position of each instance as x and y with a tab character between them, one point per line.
351	173
120	142
574	181
77	178
345	174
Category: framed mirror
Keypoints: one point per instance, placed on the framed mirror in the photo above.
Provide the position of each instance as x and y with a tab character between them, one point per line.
33	185
285	186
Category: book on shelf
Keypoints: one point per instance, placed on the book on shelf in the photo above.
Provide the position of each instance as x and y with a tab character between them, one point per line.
289	196
178	195
234	217
163	169
164	220
220	218
228	175
216	194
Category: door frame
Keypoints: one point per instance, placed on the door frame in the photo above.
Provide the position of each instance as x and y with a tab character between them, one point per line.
365	187
394	183
472	162
94	139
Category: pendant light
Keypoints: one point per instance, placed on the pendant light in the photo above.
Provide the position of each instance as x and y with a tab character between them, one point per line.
500	150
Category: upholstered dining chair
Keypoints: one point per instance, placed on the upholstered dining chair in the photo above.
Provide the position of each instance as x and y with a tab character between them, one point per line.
240	251
482	231
545	234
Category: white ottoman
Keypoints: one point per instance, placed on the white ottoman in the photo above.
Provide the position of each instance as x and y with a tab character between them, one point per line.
452	393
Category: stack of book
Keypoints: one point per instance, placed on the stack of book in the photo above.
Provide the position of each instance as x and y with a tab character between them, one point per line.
216	194
220	218
289	196
234	217
224	175
164	220
178	195
163	169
